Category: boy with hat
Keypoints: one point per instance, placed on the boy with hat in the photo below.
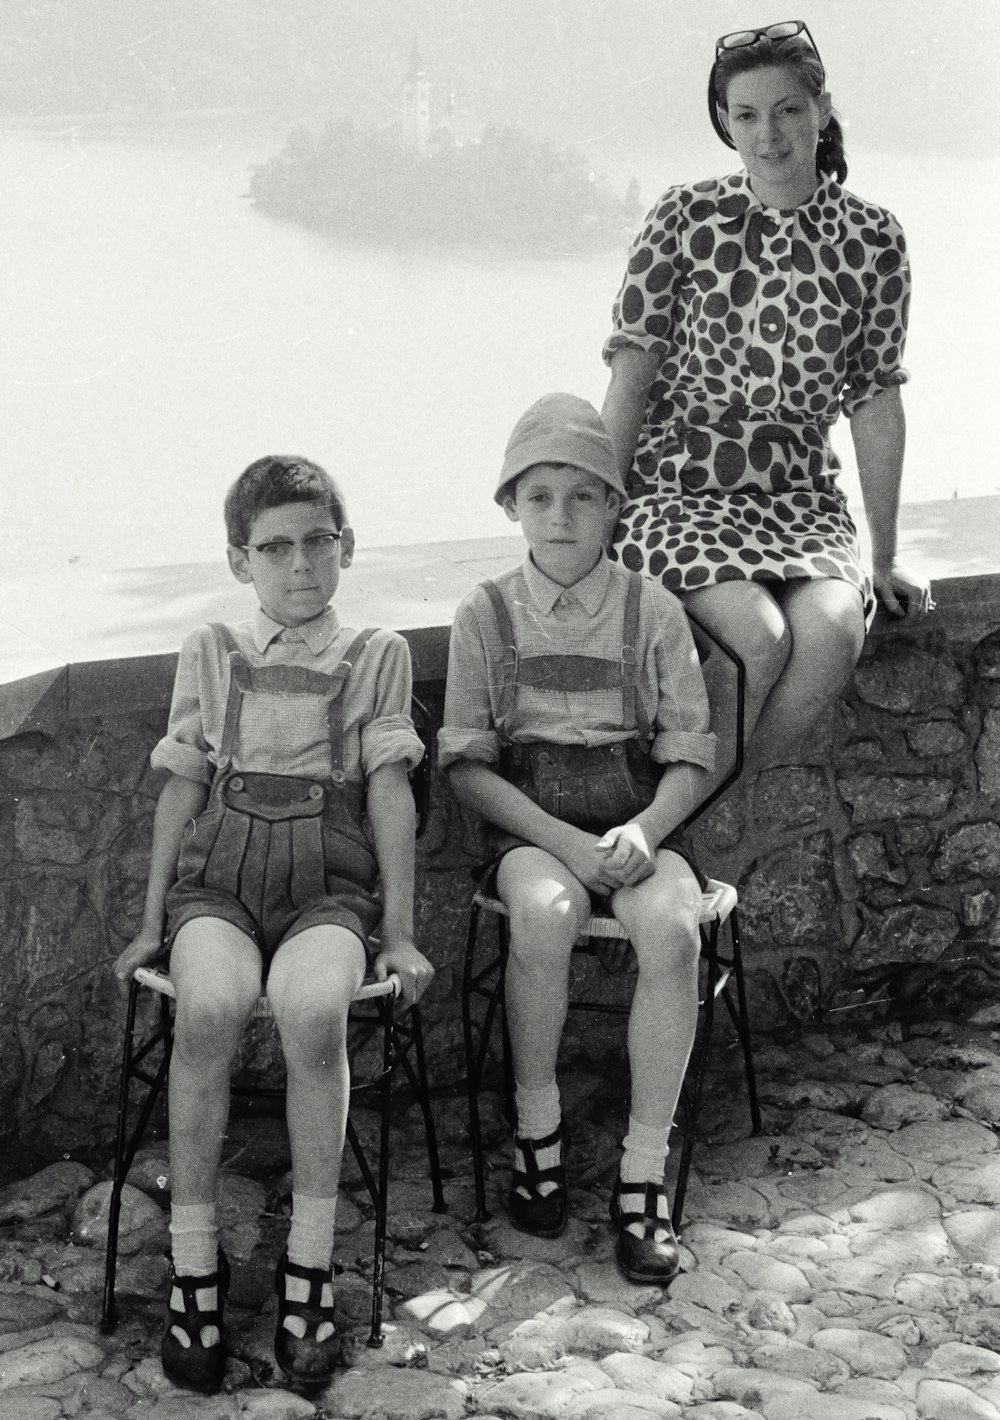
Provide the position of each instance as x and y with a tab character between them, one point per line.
576	724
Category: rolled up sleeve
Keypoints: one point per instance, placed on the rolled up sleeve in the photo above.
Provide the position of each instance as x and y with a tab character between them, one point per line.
875	362
676	746
455	744
390	740
468	730
184	750
641	314
389	737
682	714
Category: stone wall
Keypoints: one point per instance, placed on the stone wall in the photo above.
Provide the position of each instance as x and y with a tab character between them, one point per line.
867	873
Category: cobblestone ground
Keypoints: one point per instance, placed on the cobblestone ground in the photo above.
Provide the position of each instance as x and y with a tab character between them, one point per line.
843	1266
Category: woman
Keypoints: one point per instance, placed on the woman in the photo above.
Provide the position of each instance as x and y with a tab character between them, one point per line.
754	308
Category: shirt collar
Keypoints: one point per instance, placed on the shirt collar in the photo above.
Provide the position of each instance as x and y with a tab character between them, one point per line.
737	186
316	634
590	591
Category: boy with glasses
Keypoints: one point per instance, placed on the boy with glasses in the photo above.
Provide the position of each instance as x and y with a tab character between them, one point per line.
283	835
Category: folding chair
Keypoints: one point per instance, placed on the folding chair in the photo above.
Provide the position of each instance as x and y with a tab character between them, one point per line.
372	1007
722	972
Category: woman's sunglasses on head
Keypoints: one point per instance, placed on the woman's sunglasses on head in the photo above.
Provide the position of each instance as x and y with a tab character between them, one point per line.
784	29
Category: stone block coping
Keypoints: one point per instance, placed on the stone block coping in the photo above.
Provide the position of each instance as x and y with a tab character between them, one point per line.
77	642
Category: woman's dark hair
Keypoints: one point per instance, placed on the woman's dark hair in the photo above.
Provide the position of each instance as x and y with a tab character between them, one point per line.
795	54
273	481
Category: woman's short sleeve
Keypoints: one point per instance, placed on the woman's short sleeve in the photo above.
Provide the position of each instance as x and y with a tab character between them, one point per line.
641	314
875	359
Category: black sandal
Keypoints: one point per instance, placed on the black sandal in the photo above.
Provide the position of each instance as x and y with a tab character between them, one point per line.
196	1367
643	1259
303	1358
544	1215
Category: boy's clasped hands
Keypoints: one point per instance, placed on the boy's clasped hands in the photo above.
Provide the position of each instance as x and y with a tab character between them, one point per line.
620	858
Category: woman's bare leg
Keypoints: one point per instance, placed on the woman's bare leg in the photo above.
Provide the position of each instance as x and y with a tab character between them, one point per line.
746	617
826	621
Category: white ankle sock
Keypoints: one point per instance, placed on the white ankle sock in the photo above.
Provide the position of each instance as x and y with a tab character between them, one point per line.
194	1239
310	1238
645	1152
538	1112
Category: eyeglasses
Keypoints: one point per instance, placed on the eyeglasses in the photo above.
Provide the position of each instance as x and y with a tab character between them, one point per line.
743	39
784	29
317	547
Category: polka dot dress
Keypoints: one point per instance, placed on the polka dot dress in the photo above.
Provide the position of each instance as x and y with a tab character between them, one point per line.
768	323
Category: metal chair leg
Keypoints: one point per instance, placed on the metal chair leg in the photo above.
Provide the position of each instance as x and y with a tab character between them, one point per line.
503	942
125	1150
744	1025
382	1198
422	1089
475	1057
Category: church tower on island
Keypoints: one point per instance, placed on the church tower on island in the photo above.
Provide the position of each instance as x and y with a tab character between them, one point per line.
416	104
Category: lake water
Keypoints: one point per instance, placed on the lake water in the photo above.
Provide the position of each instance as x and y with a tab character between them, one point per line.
158	333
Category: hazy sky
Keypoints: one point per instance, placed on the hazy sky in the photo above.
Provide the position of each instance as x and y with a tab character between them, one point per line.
903	73
906	75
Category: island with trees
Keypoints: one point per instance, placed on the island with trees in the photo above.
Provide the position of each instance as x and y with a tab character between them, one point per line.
503	188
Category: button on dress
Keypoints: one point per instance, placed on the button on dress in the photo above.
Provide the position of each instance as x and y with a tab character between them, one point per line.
768	323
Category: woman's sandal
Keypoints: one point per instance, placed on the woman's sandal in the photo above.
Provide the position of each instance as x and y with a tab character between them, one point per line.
644	1259
195	1366
543	1214
303	1358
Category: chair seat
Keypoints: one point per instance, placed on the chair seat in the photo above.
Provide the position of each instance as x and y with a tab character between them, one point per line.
156	979
717	903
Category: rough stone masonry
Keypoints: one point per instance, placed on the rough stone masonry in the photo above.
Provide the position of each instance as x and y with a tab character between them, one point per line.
867	873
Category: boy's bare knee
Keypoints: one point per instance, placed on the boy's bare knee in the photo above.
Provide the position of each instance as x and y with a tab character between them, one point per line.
662	916
671	951
314	1037
553	926
207	1029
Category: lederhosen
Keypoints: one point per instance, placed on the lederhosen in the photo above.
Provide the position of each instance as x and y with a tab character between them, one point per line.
594	787
277	853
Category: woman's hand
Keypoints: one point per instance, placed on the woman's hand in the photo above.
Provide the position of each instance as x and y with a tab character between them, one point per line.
143	949
901	591
406	959
628	854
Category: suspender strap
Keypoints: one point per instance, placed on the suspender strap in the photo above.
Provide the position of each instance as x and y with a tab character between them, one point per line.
237	685
633	710
335	704
508	665
291	680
